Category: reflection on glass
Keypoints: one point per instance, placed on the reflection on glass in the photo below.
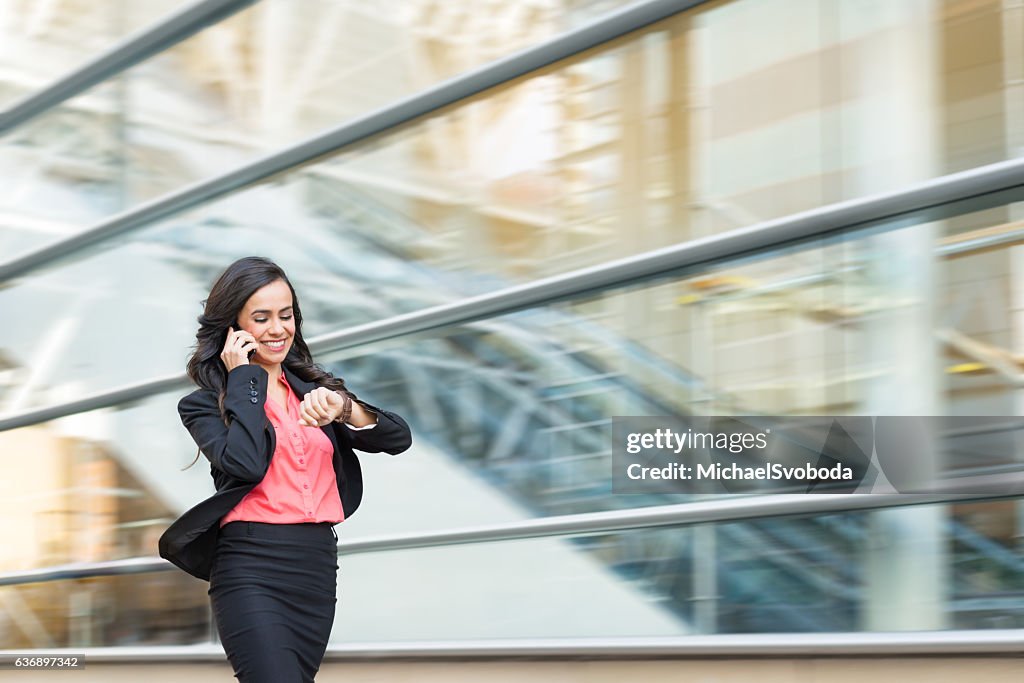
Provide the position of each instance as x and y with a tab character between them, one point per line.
809	331
801	331
672	135
163	608
63	172
759	576
96	487
61	37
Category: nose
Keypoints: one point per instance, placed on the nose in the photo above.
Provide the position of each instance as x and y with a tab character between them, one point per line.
277	329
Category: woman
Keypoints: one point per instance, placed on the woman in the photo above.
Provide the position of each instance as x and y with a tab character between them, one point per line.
279	432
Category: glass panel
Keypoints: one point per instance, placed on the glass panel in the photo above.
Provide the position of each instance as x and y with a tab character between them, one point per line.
63	171
98	486
827	573
62	36
92	493
164	608
805	330
265	77
93	487
763	576
675	133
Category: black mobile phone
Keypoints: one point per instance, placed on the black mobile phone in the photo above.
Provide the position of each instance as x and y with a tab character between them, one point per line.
251	353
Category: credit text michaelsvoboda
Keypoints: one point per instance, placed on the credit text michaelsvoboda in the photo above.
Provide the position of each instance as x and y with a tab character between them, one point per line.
715	471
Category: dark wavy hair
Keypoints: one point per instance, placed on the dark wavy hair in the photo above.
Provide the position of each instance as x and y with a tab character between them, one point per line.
232	289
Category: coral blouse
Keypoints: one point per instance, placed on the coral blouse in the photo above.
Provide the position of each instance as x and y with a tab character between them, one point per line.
300	484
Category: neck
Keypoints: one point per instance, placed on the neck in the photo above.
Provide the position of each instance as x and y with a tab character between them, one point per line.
273	370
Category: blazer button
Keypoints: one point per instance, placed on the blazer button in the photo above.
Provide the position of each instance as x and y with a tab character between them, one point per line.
252	380
253	392
254	400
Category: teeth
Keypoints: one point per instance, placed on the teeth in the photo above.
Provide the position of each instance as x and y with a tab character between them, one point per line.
276	345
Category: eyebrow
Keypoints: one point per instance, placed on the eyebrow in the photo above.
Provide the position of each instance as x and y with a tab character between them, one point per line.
263	310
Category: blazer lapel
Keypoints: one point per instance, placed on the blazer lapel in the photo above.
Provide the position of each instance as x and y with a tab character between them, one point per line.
300	386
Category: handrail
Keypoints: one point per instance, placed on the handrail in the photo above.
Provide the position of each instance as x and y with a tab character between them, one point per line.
530	60
946	196
939	643
729	509
151	40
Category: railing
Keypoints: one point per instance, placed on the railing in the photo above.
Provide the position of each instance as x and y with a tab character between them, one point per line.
731	509
936	643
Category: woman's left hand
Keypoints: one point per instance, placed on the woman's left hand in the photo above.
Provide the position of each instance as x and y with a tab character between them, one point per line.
320	407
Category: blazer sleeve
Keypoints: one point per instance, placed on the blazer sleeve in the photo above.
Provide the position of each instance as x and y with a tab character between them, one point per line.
242	449
391	434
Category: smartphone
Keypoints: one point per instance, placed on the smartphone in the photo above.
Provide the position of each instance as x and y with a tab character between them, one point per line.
251	354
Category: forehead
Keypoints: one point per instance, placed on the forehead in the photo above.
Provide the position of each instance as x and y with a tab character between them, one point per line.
270	297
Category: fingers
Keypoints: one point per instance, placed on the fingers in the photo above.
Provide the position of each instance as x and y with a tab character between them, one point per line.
318	405
308	418
237	346
238	339
315	409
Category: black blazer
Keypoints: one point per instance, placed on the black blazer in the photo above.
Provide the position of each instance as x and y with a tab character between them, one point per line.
240	454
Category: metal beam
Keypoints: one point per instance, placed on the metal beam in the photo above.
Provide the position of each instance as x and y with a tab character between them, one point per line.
134	49
944	644
452	91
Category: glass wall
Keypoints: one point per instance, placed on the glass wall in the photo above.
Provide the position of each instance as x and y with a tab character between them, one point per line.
719	118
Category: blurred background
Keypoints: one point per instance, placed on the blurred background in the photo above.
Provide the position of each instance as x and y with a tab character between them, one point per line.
500	160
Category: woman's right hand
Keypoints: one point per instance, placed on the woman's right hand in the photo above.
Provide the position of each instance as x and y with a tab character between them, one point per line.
237	347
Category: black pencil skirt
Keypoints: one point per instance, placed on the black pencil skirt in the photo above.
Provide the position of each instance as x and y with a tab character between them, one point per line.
273	588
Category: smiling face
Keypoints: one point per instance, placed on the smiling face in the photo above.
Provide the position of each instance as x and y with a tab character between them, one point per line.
268	316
